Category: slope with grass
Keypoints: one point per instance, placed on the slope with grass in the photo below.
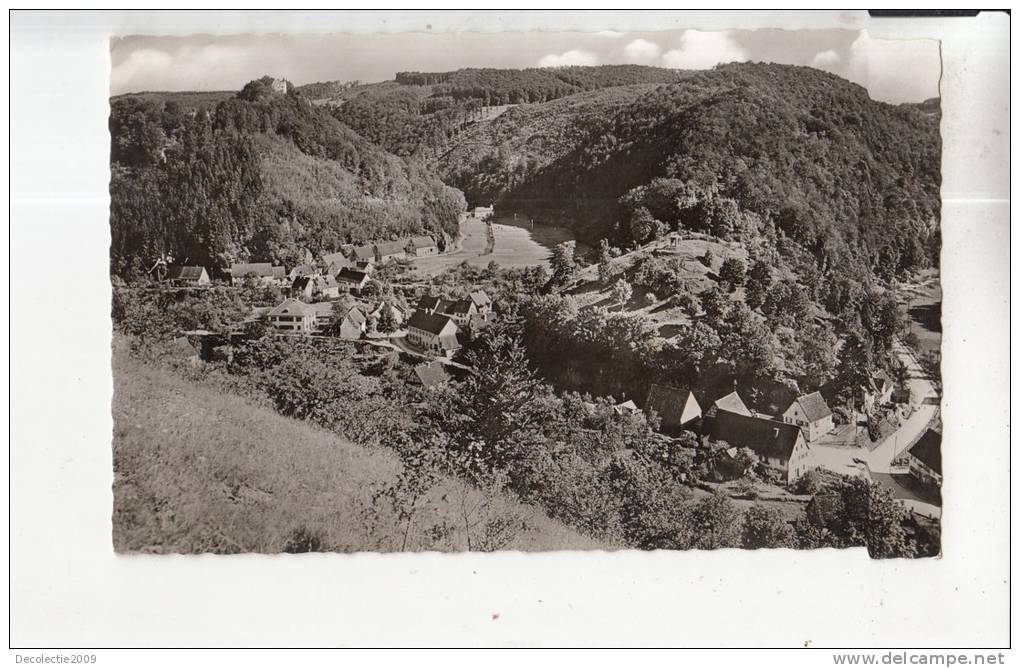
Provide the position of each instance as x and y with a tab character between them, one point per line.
198	470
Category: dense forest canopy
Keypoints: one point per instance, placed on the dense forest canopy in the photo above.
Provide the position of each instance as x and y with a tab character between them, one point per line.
261	175
801	148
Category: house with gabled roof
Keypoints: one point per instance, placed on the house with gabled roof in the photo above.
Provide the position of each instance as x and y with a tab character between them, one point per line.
731	403
188	276
810	413
396	310
265	273
331	263
626	408
389	250
302	270
779	445
422	246
460	310
302	287
675	407
429	304
433	332
481	301
364	253
293	317
353	325
351	280
431	374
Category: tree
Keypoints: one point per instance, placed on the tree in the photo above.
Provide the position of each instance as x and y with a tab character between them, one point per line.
758	283
605	261
644	227
715	304
387	323
714	523
650	298
765	527
562	263
855	511
854	369
490	415
622	292
708	259
732	271
817	348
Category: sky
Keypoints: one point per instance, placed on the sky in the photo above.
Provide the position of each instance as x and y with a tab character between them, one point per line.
891	70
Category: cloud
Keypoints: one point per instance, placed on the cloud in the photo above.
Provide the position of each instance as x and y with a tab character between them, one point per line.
572	57
210	66
641	51
825	60
611	34
895	70
703	50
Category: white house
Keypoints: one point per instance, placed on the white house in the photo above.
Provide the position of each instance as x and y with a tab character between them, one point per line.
811	414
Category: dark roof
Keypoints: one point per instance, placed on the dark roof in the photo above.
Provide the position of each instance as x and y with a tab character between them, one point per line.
300	283
928	450
459	307
431	374
349	275
668	402
814	406
766	437
389	248
429	322
427	303
423	242
185	273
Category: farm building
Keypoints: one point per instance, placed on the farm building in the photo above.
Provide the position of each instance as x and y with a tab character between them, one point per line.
363	254
780	445
353	325
326	287
188	276
302	270
676	408
397	311
422	246
389	250
263	272
810	413
432	332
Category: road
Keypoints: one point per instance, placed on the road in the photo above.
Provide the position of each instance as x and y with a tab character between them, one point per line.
924	398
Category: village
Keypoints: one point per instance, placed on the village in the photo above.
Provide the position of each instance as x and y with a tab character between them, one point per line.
338	295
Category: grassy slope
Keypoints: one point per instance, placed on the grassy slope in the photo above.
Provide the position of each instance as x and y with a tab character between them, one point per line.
197	470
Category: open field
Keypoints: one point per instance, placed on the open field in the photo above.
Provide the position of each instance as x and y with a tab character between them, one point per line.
199	470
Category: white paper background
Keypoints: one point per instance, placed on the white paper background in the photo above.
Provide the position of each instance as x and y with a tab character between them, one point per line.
68	588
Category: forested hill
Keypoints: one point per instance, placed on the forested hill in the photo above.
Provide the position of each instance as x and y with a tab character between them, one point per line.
260	175
796	148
